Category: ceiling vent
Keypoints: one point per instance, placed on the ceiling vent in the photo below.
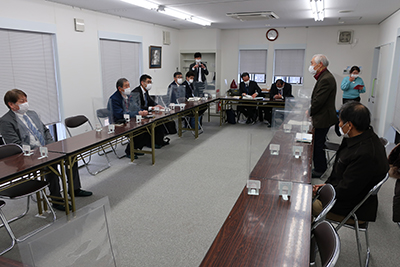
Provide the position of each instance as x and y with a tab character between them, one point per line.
249	16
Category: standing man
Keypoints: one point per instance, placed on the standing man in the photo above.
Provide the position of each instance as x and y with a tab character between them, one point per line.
200	71
123	102
250	89
22	126
147	103
322	110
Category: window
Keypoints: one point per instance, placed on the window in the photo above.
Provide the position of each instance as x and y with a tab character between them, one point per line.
119	59
255	63
27	62
289	65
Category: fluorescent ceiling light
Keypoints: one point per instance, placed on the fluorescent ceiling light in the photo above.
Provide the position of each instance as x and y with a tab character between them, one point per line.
317	7
169	11
142	3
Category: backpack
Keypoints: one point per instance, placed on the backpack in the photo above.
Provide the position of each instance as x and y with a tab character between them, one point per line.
231	116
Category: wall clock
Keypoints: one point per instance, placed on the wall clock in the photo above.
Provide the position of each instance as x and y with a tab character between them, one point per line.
272	34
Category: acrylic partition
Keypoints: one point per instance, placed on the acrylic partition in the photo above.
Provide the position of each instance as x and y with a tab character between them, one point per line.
82	239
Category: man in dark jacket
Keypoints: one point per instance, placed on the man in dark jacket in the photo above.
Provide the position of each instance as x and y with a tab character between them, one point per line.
322	110
360	164
248	89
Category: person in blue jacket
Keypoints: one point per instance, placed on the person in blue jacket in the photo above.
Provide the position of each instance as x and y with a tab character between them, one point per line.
352	86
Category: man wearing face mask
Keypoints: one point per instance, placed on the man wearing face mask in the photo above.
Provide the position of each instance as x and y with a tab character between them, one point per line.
188	83
322	110
22	126
177	90
360	164
251	89
200	71
123	102
147	103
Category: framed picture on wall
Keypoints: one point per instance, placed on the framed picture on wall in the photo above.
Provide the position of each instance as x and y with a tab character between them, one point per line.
155	57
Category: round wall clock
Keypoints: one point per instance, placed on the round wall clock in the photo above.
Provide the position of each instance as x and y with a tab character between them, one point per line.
272	34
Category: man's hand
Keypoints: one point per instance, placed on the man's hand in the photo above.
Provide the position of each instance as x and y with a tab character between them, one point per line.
351	79
203	67
278	96
254	95
316	187
143	112
244	94
196	66
159	106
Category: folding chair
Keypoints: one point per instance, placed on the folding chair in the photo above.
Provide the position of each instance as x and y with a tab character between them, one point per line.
328	242
360	227
12	191
76	121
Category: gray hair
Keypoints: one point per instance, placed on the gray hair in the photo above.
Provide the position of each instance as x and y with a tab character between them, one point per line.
321	58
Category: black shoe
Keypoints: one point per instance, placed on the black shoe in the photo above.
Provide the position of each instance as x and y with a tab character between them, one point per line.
129	156
61	207
315	174
139	154
248	121
82	193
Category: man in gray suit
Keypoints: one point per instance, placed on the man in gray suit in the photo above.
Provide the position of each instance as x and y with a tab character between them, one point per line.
322	110
24	127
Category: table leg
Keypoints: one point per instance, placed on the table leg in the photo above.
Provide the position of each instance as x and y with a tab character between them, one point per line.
71	186
196	122
131	147
153	143
64	186
180	126
208	111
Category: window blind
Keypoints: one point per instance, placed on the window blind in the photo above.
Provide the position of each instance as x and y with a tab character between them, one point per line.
27	62
253	61
119	59
289	62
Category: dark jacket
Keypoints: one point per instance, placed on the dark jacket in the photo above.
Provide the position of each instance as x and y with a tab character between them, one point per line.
189	89
150	101
323	111
14	131
394	172
360	164
253	87
117	107
287	91
177	92
204	72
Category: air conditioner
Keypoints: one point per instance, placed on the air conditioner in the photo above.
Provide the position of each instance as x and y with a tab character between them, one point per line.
247	16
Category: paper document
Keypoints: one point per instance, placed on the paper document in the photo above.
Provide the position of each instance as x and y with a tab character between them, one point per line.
304	137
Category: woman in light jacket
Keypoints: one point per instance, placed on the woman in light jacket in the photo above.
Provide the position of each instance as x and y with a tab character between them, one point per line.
352	86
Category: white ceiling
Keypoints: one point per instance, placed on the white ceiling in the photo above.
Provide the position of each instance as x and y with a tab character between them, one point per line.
292	13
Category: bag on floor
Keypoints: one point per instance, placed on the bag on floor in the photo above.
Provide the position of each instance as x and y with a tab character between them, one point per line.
170	128
231	116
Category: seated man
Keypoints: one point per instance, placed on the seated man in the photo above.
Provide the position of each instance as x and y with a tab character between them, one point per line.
360	164
22	126
176	89
279	91
122	102
248	88
188	83
147	103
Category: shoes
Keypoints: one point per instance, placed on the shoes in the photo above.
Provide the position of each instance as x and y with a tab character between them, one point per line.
315	174
129	156
82	193
139	154
248	121
61	207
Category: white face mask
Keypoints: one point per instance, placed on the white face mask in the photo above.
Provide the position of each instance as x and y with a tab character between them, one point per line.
148	86
23	108
354	75
198	61
312	70
279	88
345	135
180	81
127	91
190	80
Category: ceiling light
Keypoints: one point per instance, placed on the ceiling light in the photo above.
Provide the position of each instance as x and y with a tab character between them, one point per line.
142	3
317	7
169	11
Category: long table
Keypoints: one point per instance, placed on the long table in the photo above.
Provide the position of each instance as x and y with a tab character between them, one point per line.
266	230
31	167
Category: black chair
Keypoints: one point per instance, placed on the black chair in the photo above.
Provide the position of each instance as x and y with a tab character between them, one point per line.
328	242
327	195
360	227
76	121
18	189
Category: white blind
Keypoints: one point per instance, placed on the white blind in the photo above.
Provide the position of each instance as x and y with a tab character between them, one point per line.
119	59
289	62
27	63
253	61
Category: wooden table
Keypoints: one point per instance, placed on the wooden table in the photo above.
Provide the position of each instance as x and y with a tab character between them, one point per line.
19	165
265	230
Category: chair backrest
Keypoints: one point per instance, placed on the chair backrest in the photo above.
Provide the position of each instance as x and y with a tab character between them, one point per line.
327	196
102	113
384	141
76	121
9	150
328	243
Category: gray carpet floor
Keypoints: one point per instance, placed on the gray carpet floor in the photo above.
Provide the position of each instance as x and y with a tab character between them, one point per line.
168	214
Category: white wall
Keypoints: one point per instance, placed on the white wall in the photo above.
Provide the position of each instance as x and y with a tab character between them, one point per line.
389	30
78	53
316	40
